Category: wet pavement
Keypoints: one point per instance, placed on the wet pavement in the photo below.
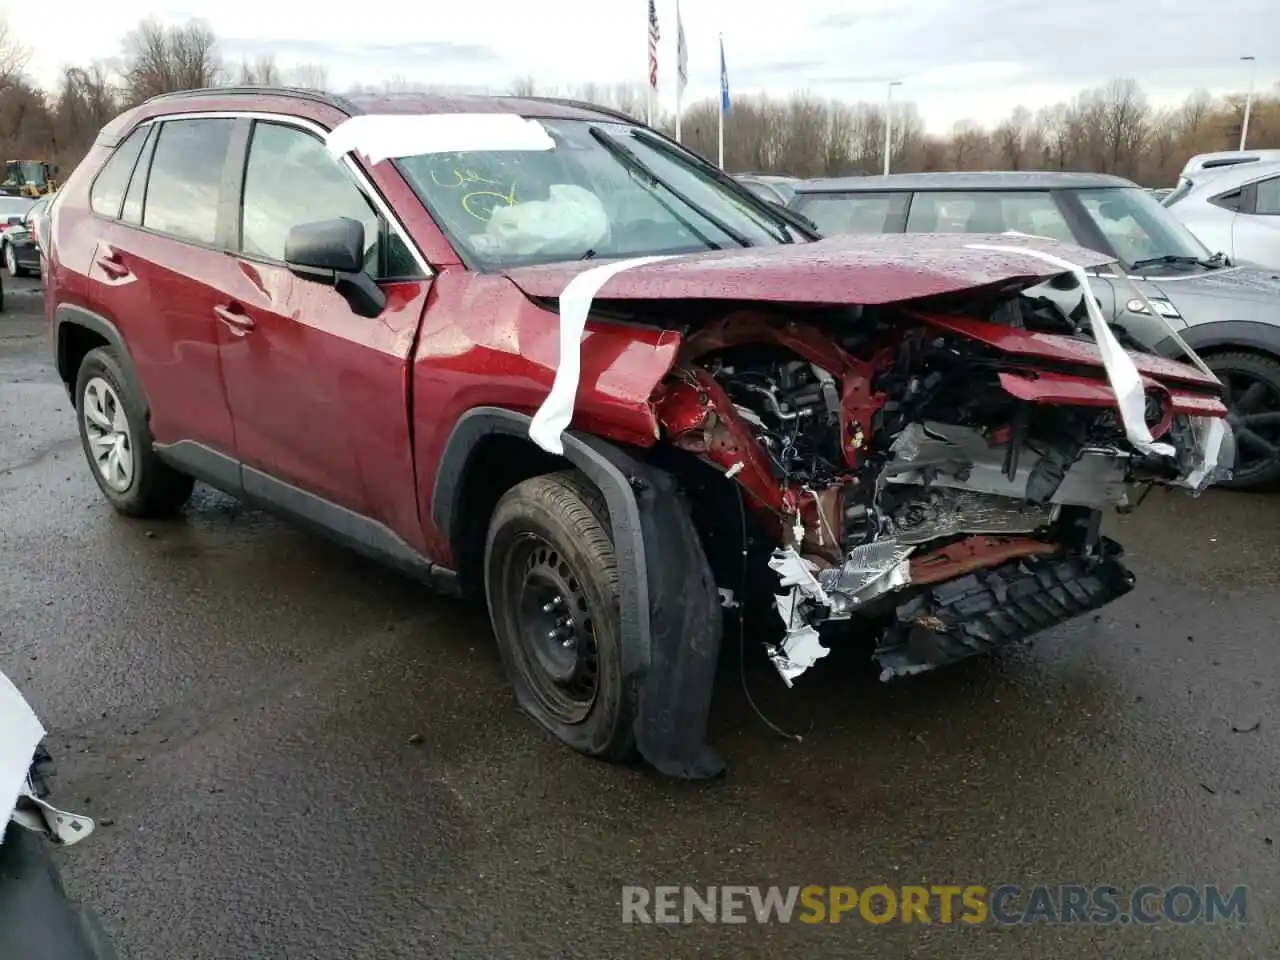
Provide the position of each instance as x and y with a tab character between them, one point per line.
294	753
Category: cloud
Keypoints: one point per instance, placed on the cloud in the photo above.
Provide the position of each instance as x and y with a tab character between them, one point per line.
430	52
957	59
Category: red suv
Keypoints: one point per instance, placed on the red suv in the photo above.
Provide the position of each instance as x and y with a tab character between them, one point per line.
535	353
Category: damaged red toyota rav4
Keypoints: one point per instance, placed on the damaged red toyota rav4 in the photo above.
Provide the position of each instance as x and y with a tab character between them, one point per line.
538	354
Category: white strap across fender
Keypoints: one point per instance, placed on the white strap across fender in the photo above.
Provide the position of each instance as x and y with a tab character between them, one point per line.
556	412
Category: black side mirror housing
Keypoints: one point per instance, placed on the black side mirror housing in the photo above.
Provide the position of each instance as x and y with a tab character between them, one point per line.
332	252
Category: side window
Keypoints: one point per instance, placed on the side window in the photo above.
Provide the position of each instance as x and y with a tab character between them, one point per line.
988	211
291	179
133	200
837	213
186	176
1268	197
108	188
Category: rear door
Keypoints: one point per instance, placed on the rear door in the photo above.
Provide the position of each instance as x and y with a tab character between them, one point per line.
318	394
152	268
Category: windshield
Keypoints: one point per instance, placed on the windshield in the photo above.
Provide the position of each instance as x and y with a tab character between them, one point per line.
605	189
1138	227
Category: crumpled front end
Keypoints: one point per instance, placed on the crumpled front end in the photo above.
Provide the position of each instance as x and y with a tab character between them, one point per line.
938	476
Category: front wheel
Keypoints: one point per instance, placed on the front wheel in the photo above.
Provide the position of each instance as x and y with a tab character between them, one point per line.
552	584
1252	384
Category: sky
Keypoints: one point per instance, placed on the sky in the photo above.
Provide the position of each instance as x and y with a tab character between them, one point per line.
956	59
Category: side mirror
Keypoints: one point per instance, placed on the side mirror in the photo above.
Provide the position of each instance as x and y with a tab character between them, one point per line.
332	252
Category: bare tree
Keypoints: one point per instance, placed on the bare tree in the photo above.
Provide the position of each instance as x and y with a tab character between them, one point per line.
14	57
1124	115
308	76
522	87
161	59
1011	138
262	72
970	146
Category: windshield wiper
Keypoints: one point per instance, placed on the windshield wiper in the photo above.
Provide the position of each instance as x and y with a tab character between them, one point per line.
657	143
1171	258
637	166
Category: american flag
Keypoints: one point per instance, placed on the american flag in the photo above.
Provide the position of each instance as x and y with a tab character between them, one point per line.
654	37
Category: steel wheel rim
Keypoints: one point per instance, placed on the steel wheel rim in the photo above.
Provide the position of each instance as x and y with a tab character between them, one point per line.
109	437
555	631
1253	409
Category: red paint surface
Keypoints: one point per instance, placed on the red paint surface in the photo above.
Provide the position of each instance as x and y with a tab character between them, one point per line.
1051	346
854	269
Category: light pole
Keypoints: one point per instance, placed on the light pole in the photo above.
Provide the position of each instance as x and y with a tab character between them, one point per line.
888	124
1248	100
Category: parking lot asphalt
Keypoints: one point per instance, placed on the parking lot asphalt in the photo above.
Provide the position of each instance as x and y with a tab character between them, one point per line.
294	753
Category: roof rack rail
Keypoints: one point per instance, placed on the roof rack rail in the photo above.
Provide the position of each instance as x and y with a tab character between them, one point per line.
581	105
297	93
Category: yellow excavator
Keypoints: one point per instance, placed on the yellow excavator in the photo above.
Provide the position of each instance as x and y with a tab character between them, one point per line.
28	178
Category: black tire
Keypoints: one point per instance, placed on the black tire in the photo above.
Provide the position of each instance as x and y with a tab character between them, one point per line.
14	268
1257	423
551	536
156	489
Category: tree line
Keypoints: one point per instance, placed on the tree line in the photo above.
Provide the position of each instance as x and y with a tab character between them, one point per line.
1109	129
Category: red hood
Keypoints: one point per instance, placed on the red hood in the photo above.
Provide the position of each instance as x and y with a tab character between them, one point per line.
869	269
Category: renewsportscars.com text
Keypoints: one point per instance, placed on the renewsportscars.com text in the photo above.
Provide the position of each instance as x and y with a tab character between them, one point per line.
941	904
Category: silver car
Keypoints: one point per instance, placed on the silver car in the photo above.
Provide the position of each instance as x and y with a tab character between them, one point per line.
1229	313
1235	209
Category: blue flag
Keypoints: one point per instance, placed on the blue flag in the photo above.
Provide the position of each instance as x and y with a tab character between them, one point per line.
724	81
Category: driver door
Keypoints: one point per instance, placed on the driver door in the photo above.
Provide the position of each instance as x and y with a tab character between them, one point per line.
317	393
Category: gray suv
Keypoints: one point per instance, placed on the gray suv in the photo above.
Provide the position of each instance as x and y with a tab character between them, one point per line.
1230	314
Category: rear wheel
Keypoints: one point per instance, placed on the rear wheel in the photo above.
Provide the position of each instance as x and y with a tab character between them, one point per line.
552	584
1252	384
117	442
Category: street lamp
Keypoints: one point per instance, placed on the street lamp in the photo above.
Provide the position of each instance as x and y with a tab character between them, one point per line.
1248	100
888	124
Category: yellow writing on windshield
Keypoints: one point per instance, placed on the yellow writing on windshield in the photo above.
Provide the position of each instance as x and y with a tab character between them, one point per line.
477	203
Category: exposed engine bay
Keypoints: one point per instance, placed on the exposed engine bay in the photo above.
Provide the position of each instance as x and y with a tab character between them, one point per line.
937	478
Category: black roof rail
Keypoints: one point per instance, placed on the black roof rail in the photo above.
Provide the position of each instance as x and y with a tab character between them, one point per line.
581	105
296	93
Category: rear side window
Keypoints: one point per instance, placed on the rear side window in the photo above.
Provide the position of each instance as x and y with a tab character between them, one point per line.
837	213
989	211
108	188
186	176
1268	198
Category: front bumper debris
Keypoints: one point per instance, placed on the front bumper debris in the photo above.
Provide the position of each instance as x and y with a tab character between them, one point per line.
998	606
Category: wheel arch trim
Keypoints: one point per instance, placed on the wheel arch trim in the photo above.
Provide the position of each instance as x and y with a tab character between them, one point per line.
71	315
1227	334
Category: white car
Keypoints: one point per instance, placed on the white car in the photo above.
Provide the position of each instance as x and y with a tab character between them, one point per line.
1235	209
37	921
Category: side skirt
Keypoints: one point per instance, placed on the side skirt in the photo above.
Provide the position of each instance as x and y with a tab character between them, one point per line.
366	536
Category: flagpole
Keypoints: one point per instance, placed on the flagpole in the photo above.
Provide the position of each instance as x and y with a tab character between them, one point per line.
679	67
720	130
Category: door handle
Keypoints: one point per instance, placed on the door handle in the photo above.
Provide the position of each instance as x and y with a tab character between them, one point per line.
112	266
233	315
